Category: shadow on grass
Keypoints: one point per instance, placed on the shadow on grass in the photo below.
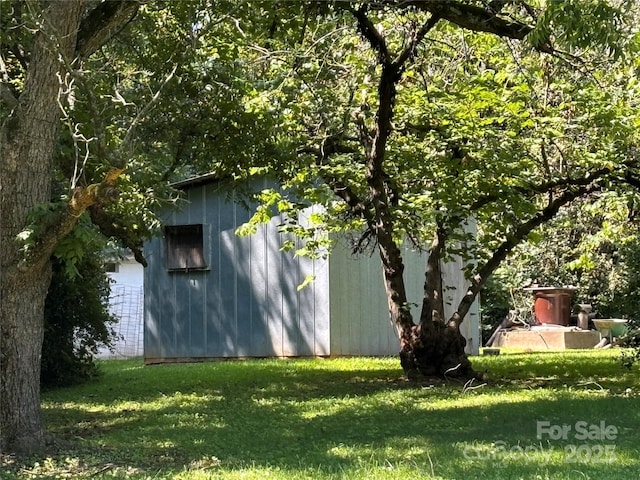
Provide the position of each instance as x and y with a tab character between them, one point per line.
315	418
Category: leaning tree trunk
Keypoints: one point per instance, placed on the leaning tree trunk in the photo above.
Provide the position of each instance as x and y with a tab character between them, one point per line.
381	220
27	142
399	311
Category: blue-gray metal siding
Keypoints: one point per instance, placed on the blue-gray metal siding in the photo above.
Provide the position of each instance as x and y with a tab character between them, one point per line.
246	303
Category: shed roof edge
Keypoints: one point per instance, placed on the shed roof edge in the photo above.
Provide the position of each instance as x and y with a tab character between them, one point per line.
199	180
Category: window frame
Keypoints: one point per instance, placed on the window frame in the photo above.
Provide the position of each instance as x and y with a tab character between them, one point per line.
112	267
179	240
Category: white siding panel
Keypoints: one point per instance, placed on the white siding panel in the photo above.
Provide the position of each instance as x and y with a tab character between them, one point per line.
359	311
321	312
456	286
360	322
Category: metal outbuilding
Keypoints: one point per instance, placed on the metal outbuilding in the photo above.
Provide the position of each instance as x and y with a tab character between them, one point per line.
210	293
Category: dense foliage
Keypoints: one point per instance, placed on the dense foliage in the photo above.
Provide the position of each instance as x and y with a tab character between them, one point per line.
482	127
594	245
77	321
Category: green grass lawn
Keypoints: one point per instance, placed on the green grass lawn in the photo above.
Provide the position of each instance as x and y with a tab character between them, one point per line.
345	418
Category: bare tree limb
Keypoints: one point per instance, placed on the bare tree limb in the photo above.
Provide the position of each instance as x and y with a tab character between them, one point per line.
128	138
415	41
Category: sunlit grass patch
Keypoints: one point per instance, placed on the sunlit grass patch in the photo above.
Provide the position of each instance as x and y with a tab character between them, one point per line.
338	418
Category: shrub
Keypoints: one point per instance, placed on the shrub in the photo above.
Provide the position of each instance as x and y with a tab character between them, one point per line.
77	321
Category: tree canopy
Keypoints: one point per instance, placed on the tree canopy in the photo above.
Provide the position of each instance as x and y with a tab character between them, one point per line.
405	119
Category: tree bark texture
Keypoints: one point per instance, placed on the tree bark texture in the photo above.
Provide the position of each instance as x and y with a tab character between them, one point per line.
382	221
27	142
436	346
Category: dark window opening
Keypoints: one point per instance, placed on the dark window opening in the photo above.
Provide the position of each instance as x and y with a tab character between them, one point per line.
111	267
185	247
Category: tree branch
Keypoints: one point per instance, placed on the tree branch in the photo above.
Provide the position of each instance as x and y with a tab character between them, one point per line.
114	227
371	33
329	147
415	41
475	18
82	198
547	186
128	137
7	97
103	23
520	233
433	303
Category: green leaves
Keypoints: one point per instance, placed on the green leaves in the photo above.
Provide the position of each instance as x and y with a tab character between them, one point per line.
307	281
595	24
84	240
480	127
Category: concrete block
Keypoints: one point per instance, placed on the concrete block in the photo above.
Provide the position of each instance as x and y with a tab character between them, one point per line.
548	339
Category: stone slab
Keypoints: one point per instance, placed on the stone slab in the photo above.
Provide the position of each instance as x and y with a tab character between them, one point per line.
552	339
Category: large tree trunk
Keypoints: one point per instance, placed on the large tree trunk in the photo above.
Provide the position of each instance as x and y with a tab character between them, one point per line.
28	139
23	295
399	311
436	346
27	142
